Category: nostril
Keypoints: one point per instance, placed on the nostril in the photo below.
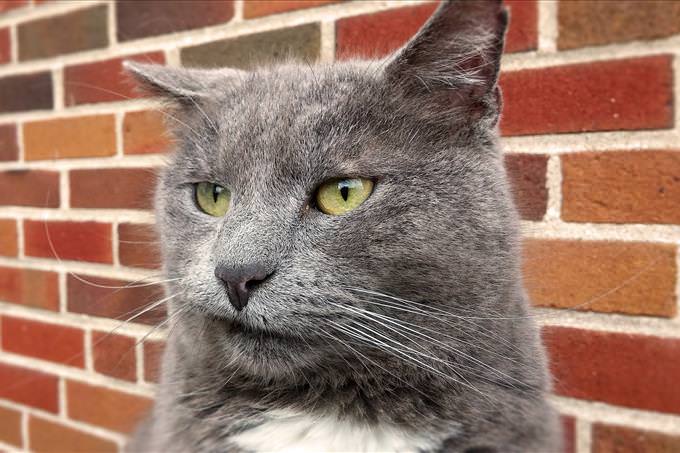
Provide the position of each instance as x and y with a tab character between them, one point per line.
241	281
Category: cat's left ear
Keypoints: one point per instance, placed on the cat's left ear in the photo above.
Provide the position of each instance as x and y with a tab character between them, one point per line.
452	63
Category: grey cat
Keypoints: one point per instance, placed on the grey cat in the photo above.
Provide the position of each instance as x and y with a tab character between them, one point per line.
343	256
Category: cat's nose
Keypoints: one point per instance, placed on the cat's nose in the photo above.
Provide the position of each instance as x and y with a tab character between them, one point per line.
240	281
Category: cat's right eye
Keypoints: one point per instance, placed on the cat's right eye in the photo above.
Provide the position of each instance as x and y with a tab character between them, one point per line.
212	199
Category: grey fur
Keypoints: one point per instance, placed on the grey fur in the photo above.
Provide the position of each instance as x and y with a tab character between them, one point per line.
433	251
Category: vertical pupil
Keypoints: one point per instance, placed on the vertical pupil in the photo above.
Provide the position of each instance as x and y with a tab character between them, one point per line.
216	192
344	192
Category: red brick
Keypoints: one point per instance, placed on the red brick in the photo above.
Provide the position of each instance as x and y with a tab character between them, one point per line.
103	81
114	355
79	30
8	237
588	23
83	241
32	288
257	8
49	437
85	136
569	434
53	342
527	175
378	34
145	132
5	46
24	92
9	149
144	18
39	188
620	439
628	94
100	406
29	387
138	246
621	187
6	5
113	188
636	278
10	427
86	295
153	354
625	370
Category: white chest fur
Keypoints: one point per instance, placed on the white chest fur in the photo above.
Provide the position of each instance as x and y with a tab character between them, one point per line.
296	432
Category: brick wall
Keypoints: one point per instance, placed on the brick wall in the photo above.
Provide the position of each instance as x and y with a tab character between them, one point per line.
591	139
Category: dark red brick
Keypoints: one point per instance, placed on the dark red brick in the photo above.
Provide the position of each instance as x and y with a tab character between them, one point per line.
138	246
523	30
625	370
629	94
117	299
38	188
53	342
153	353
113	188
20	93
29	387
144	18
527	175
569	434
83	29
29	287
83	241
621	439
9	149
103	81
5	46
114	355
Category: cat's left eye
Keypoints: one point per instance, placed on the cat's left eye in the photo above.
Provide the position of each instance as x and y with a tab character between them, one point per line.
339	196
212	199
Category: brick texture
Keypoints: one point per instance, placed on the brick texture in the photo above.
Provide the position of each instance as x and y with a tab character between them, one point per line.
113	188
50	437
117	299
103	81
8	237
37	188
300	43
76	31
257	8
29	387
10	427
9	149
621	187
84	136
569	434
138	246
53	342
114	355
5	46
145	132
20	93
620	369
527	174
626	94
144	18
619	439
8	5
593	23
103	407
614	277
153	352
85	241
32	288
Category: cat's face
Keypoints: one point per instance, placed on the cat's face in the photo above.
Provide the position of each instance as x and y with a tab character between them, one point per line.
436	227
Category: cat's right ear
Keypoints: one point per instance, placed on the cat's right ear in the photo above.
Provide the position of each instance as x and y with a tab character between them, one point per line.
182	87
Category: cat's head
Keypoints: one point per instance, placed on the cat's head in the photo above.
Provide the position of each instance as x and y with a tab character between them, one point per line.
300	198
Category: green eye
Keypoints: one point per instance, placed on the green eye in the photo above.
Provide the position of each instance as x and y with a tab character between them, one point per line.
212	199
339	196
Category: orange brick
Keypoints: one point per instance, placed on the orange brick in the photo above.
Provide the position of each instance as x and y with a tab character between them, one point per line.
29	387
53	342
33	288
114	355
621	187
257	8
85	136
138	246
615	277
103	407
50	437
145	132
8	237
113	188
153	353
621	439
10	427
